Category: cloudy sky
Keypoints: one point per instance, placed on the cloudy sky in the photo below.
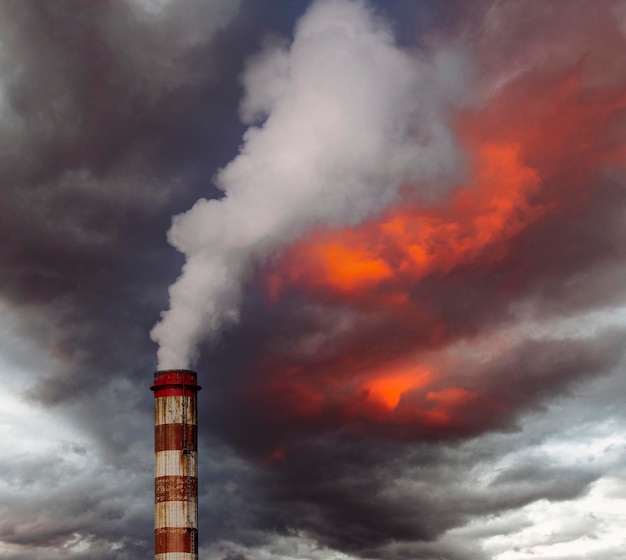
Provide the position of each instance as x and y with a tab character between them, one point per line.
389	235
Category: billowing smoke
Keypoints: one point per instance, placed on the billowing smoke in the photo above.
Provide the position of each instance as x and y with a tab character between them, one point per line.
341	120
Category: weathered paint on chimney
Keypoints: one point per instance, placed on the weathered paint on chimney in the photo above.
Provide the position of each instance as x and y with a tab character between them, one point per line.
175	465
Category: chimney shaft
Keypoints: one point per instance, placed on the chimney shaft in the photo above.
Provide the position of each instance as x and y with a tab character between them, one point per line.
175	465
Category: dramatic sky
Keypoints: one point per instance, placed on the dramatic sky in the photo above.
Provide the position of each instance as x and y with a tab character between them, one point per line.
390	237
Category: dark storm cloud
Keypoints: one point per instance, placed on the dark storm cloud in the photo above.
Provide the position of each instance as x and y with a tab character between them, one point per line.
111	115
92	95
246	404
381	501
362	495
235	556
55	507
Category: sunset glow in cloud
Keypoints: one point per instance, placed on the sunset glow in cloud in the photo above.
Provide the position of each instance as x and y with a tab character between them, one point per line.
529	160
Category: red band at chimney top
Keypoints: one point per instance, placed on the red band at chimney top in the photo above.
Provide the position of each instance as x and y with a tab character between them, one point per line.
175	382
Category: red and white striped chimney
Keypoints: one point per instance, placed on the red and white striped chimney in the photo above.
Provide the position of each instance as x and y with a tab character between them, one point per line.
175	465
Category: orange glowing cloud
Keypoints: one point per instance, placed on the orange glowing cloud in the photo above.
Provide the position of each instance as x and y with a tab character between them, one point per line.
408	243
530	158
401	401
515	148
390	389
351	267
443	404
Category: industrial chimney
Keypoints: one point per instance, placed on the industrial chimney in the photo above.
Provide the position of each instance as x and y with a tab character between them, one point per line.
175	465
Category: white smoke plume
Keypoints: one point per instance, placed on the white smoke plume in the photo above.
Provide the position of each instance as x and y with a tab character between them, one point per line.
340	120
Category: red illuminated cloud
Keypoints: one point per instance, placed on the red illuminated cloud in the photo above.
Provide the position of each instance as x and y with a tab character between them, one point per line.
414	279
520	150
381	260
